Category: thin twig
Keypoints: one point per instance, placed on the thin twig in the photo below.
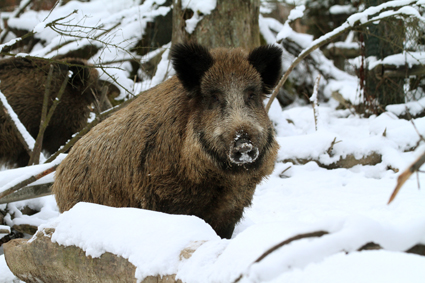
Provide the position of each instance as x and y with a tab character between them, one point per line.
406	175
334	142
282	174
421	138
57	47
286	242
314	103
31	33
52	110
35	156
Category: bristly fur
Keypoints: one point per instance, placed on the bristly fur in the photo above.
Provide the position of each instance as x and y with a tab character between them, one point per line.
169	150
190	61
23	82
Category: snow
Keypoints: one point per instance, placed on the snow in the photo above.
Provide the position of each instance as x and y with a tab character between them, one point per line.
412	107
98	234
199	8
341	9
296	13
366	266
205	6
349	204
406	58
348	43
78	21
6	276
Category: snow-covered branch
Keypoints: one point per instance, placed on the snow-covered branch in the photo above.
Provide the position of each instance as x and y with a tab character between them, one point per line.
20	130
22	6
368	16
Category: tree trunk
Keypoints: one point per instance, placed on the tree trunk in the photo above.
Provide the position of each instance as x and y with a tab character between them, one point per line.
230	24
381	40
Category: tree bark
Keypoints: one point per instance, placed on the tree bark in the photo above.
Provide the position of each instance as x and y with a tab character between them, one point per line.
383	39
230	24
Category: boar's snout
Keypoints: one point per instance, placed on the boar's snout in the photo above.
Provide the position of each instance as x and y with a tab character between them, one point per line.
242	150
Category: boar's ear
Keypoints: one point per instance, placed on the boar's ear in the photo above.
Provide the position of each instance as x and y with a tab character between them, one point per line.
80	78
267	60
191	61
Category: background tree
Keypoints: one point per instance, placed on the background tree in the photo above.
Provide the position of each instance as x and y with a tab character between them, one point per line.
230	24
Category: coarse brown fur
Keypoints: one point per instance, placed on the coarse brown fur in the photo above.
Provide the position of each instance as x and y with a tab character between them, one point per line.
23	82
169	149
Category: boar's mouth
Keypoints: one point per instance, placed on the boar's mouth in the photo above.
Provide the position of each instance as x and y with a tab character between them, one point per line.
224	162
242	150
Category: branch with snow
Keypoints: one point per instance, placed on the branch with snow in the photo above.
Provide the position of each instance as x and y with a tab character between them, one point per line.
368	16
38	28
22	6
26	139
10	188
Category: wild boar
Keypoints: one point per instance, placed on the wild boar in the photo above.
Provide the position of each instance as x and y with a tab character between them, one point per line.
197	144
23	82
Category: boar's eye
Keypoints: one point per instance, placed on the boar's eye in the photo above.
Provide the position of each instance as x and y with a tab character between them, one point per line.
251	94
213	99
214	96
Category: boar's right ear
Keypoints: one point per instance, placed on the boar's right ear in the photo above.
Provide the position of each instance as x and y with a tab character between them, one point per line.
267	60
81	74
191	61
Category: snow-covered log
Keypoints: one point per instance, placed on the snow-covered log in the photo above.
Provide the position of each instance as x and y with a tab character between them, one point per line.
64	264
94	243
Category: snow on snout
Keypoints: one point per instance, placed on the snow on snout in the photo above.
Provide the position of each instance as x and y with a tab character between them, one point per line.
242	151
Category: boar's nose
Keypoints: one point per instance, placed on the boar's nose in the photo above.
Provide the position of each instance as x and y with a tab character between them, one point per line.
242	150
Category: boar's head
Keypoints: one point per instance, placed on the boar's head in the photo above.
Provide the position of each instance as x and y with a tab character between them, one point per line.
83	79
226	89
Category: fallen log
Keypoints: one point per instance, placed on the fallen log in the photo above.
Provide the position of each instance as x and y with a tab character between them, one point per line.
68	264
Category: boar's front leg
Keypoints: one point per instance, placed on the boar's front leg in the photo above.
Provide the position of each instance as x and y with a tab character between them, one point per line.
226	232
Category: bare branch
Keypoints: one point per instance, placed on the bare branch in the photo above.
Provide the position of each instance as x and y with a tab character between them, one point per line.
314	102
45	123
414	167
35	156
28	192
286	242
28	181
31	33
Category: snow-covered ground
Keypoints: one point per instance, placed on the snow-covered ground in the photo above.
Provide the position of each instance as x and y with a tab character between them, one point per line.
349	204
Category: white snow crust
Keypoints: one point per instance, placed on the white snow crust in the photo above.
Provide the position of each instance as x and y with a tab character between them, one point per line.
349	204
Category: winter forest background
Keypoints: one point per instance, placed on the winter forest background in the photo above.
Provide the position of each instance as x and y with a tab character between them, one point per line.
349	119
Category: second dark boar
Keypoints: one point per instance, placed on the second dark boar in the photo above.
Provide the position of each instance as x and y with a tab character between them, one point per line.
197	144
23	82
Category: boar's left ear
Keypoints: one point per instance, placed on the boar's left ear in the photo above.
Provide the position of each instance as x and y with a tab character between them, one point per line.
81	73
267	60
191	61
